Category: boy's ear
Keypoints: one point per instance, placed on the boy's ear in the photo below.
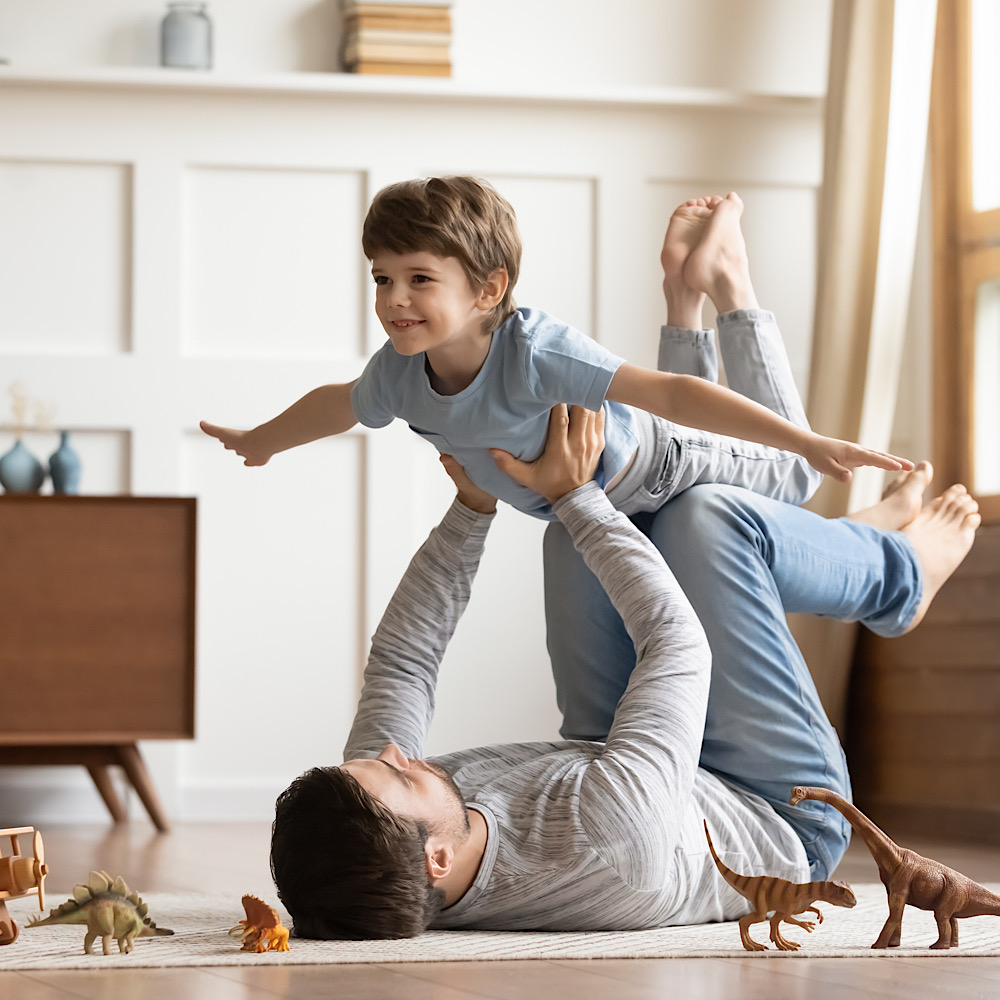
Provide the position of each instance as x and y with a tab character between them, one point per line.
494	288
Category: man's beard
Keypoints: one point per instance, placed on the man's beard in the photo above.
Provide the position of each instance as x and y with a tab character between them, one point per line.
465	829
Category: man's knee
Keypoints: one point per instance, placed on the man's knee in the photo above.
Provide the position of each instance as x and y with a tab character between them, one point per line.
703	518
557	545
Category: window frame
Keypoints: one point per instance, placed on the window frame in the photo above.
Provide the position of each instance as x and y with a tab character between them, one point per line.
966	252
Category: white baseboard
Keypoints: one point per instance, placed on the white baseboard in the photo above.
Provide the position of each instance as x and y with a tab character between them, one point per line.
227	803
39	796
35	796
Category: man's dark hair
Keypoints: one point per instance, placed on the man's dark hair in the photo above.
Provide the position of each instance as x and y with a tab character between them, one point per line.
345	866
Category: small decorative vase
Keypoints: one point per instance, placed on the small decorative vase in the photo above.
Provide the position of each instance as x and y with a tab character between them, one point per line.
186	36
20	471
65	467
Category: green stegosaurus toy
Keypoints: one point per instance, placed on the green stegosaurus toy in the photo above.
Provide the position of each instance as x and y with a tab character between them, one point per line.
109	909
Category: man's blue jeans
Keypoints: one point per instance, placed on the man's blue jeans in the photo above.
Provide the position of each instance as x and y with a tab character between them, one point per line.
743	560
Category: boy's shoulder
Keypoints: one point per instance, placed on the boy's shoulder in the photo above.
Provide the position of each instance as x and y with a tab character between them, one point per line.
538	334
537	327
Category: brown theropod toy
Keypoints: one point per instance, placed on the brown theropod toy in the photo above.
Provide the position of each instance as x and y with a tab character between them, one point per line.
910	878
767	892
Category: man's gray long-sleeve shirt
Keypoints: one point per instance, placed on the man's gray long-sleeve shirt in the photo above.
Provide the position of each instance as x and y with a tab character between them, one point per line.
581	835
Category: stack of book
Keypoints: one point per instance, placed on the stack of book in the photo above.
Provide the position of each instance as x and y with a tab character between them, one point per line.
405	37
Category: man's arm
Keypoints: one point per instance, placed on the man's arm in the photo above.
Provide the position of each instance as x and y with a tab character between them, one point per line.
695	402
633	796
397	700
319	413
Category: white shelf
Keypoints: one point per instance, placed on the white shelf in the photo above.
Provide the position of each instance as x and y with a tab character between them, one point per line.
400	88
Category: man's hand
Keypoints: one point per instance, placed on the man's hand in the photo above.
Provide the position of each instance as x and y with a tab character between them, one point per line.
837	458
244	443
572	449
469	494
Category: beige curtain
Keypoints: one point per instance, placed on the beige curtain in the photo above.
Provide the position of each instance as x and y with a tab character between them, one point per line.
878	101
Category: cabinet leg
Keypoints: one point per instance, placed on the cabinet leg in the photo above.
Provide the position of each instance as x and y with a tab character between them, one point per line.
102	779
135	768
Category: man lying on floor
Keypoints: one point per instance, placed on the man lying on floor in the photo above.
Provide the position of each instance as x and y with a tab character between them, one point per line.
606	833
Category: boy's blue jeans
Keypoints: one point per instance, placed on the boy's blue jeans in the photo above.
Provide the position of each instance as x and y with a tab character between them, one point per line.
743	560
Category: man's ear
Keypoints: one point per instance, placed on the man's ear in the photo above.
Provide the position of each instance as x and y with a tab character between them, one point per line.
493	290
440	859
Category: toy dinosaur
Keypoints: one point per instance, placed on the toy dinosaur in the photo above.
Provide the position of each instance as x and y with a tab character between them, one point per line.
910	878
262	930
109	909
768	892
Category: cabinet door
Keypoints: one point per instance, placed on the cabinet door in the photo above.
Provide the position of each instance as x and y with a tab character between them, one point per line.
97	619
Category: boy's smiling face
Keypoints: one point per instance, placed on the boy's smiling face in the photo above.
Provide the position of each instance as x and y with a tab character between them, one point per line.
425	303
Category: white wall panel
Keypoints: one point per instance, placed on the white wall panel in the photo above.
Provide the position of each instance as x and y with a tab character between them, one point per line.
279	558
65	257
556	219
271	262
251	289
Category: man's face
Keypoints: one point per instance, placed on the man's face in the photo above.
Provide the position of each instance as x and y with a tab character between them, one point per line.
414	789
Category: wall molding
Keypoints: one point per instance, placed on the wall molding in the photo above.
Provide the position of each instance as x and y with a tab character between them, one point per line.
410	88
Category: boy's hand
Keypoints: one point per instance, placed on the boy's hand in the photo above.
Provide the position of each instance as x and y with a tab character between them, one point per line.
572	449
244	443
837	458
469	494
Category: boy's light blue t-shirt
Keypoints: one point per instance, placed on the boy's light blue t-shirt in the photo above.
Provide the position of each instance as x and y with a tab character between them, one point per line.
534	362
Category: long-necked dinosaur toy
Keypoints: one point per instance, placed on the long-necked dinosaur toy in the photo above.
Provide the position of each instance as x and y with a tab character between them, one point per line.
910	878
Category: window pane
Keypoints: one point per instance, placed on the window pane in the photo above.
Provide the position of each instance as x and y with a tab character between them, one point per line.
985	105
986	389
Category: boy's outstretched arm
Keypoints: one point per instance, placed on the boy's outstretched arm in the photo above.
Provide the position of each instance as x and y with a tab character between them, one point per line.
694	402
319	413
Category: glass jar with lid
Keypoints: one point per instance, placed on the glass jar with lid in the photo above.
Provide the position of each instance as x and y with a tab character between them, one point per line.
186	36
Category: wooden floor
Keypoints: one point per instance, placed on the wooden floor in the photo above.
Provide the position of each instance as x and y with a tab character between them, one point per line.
233	858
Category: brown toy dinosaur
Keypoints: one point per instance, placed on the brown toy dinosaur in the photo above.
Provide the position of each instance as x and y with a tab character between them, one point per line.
262	930
768	892
910	878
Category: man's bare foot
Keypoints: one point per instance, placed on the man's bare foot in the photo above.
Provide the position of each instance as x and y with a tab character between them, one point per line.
942	534
718	265
900	502
684	232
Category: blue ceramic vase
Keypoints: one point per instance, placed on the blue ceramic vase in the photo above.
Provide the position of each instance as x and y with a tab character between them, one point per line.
20	471
65	467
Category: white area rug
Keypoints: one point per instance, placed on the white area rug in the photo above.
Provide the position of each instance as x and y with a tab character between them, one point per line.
200	923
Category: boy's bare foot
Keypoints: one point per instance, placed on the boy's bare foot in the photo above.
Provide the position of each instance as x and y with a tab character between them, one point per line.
900	502
718	265
942	534
684	232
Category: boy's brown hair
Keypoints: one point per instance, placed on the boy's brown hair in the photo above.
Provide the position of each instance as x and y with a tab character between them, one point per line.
461	217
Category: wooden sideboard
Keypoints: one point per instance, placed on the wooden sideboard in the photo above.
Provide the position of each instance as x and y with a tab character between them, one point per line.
97	633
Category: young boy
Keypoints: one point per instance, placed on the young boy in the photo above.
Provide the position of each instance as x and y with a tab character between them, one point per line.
478	377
